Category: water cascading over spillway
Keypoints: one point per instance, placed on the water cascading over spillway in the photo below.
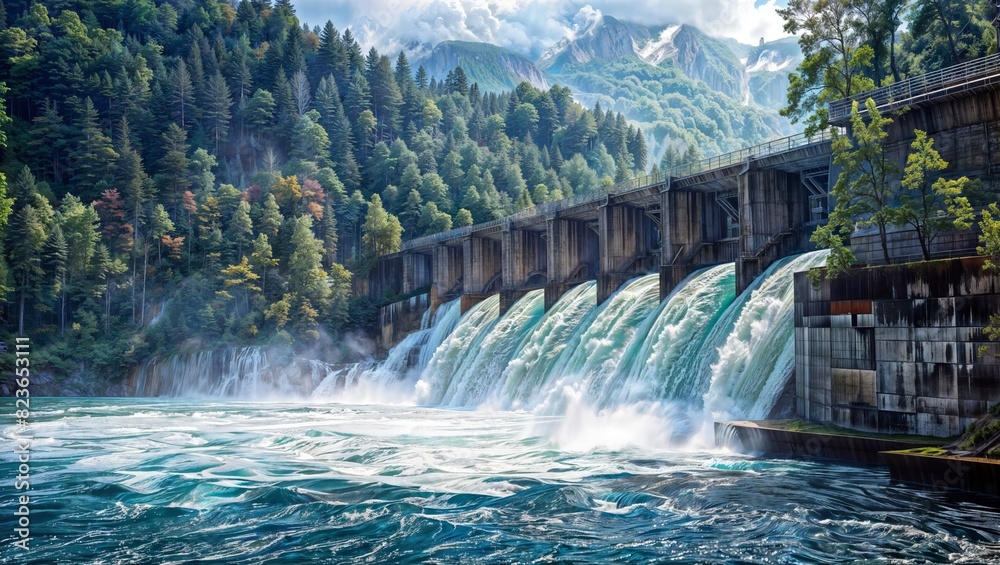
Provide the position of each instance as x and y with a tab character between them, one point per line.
703	348
703	353
403	361
758	355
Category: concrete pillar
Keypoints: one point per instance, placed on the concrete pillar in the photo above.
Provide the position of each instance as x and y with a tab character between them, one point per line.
448	276
525	264
692	224
773	208
627	240
418	271
483	267
574	256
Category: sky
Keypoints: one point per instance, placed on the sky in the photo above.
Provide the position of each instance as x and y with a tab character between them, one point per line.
532	26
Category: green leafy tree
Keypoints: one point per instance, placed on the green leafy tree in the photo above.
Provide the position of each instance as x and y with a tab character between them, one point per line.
160	225
271	217
863	190
241	228
241	278
930	204
382	232
306	277
835	58
262	259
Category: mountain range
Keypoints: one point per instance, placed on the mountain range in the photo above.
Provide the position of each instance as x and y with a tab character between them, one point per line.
682	86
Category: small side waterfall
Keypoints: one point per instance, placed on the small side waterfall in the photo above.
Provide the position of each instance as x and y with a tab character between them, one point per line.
243	372
260	372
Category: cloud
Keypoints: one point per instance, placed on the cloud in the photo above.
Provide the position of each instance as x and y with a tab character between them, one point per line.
531	26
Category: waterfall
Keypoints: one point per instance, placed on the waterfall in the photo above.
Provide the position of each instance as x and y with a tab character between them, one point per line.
401	365
537	355
260	372
240	372
667	363
758	353
702	354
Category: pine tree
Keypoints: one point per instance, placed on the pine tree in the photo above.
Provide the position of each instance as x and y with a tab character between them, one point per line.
271	218
332	55
182	93
93	158
160	225
217	109
330	237
262	259
241	228
421	78
637	148
306	277
27	236
48	140
410	216
358	96
173	178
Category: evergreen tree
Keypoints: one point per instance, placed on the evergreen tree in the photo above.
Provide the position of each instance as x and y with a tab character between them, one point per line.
93	157
241	228
217	109
173	178
26	238
271	219
182	93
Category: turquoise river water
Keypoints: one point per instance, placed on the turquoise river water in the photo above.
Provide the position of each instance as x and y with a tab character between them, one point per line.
578	435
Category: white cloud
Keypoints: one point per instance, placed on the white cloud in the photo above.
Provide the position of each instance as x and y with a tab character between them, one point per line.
531	26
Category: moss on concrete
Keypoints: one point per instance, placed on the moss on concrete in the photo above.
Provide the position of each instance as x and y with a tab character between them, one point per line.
811	427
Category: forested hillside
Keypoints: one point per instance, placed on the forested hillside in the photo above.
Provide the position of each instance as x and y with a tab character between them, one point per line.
186	174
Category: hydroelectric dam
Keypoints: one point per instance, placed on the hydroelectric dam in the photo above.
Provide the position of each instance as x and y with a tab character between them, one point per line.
750	207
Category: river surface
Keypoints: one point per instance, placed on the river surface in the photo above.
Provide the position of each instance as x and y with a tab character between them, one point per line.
180	480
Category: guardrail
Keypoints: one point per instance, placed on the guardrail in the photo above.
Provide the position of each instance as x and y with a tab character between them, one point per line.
970	74
765	149
768	148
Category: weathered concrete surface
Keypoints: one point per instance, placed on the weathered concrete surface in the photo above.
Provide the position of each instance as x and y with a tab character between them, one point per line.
627	249
757	437
483	265
894	349
946	472
418	271
399	319
525	264
773	207
449	267
904	247
573	256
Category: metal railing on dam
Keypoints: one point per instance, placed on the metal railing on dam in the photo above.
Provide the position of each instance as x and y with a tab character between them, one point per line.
766	149
938	84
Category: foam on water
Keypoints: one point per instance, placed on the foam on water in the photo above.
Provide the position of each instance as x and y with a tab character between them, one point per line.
247	482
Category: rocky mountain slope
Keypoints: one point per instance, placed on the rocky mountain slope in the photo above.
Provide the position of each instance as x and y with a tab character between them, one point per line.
681	85
494	68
